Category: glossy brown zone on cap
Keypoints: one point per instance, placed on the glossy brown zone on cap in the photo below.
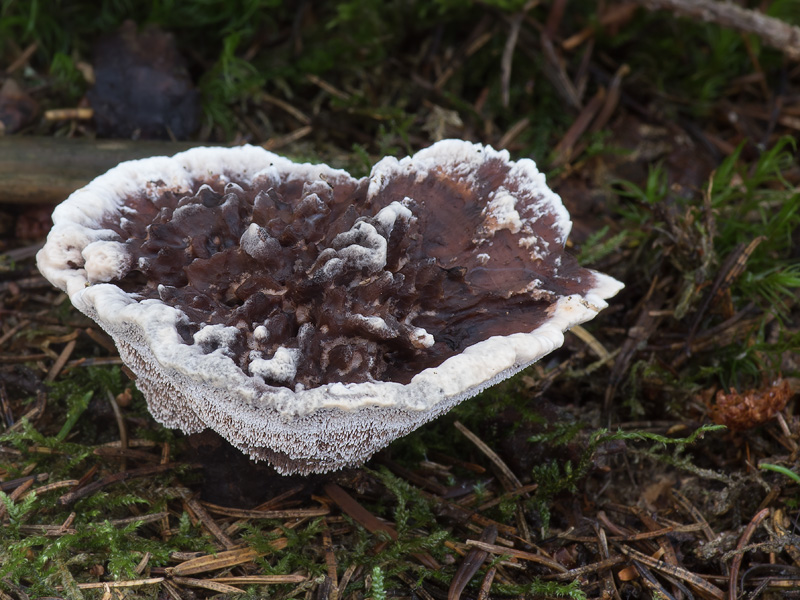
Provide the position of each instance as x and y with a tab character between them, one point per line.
433	278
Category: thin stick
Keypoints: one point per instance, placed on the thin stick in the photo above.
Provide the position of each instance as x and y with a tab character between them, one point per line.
91	488
333	91
22	59
123	430
737	560
61	361
53	486
222	560
694	580
510	481
242	513
142	563
348	574
330	557
565	148
207	584
117	584
210	524
289	108
65	114
600	565
525	489
13	331
521	554
508	55
513	132
486	584
591	341
284	140
261	579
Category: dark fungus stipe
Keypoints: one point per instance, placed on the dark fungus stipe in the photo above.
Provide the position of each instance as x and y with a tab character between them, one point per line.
408	290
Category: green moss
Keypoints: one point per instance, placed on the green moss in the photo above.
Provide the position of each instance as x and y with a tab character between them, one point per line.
692	239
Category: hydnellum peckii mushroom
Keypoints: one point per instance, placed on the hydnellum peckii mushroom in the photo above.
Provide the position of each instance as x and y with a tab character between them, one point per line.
309	317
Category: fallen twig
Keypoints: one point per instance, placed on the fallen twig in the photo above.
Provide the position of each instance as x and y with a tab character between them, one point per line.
772	31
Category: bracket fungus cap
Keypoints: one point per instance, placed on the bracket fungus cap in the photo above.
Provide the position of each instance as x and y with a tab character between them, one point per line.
310	317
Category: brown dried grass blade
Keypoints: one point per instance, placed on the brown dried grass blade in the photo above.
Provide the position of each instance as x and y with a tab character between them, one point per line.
472	562
119	584
208	585
261	579
241	513
358	513
370	522
222	560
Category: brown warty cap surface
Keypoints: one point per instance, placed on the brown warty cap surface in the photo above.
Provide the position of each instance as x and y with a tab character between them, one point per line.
309	317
